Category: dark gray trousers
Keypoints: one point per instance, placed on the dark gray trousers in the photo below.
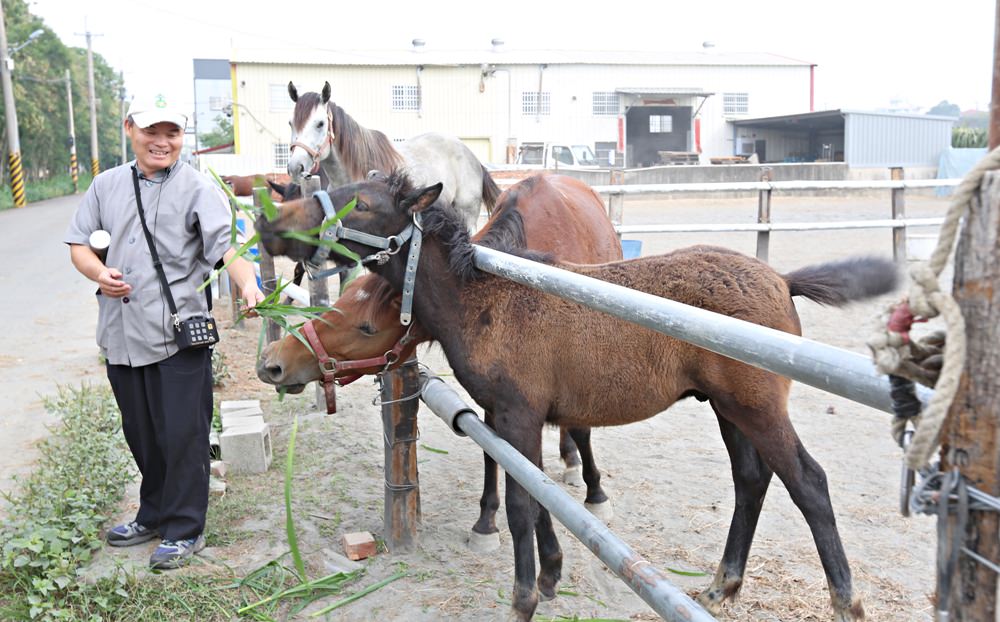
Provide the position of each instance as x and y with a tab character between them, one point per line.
166	415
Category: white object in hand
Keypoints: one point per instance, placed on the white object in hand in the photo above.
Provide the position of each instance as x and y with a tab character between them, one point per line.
100	240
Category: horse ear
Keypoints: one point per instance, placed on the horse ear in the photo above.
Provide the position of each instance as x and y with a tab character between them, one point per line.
277	187
326	92
292	92
421	199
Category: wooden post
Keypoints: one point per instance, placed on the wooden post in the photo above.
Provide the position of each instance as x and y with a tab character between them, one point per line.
319	292
972	431
764	215
898	213
267	278
402	482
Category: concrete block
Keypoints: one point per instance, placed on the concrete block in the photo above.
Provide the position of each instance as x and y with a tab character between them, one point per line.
247	448
240	422
228	405
219	469
216	488
358	545
242	412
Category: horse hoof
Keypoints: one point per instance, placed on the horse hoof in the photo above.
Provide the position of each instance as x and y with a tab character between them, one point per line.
603	510
573	476
853	613
483	542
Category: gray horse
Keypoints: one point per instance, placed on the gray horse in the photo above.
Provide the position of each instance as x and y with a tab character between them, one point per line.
324	135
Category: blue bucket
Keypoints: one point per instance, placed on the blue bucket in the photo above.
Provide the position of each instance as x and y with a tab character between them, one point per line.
631	249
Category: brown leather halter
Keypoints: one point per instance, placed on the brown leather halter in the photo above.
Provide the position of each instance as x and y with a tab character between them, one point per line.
330	367
327	142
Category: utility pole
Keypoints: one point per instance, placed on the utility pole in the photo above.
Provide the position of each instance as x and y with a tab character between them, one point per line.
73	166
95	162
121	122
14	151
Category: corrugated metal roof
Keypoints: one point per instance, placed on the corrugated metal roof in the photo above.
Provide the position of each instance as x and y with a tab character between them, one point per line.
312	56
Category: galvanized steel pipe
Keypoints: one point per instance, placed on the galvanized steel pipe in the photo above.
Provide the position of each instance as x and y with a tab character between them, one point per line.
642	577
819	365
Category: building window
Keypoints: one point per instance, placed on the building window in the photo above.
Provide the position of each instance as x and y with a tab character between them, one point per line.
405	97
216	102
280	151
735	103
278	98
605	104
532	105
661	124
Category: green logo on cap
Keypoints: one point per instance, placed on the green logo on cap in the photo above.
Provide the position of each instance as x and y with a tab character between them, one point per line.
160	102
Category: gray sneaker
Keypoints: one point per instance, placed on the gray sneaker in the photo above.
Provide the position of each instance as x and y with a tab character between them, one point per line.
130	533
175	553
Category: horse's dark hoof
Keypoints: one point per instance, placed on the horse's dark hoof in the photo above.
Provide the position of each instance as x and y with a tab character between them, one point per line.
483	542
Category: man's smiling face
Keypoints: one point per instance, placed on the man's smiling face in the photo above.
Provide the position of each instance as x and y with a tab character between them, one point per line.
156	147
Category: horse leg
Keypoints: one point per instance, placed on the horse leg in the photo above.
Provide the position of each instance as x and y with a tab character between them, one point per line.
522	516
596	501
751	477
572	475
485	536
771	432
549	554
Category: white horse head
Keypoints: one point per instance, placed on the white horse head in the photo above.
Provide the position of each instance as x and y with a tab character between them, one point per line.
312	132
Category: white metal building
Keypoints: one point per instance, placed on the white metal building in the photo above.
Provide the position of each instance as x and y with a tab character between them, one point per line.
631	103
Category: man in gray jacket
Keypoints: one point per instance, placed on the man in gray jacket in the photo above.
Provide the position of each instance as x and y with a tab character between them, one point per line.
164	393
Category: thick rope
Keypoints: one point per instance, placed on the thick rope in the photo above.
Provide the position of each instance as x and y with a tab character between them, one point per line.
891	348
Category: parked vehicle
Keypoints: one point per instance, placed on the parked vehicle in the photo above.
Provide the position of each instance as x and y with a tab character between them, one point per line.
556	155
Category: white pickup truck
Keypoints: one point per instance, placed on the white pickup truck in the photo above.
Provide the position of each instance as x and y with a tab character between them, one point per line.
556	155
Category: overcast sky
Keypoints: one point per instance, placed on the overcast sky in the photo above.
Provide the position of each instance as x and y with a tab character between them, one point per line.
868	53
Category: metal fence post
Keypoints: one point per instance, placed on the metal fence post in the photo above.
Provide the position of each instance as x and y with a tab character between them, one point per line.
898	213
764	215
400	393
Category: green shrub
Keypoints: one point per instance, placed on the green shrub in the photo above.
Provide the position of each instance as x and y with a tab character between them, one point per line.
966	137
55	520
57	186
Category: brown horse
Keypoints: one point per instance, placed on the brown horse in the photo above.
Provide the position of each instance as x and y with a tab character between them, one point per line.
560	215
243	185
531	358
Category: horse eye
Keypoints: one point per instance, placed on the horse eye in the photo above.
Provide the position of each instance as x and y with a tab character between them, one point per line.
319	125
361	206
367	329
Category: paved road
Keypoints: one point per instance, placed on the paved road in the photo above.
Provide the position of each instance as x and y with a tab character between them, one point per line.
49	317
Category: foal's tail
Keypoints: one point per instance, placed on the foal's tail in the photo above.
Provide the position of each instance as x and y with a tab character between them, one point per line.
840	282
490	191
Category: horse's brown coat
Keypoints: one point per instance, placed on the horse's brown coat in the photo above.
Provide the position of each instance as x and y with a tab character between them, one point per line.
542	359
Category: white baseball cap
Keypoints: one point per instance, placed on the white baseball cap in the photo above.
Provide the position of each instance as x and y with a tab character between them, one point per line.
146	111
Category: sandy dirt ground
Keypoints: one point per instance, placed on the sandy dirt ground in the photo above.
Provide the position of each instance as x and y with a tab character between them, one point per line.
668	477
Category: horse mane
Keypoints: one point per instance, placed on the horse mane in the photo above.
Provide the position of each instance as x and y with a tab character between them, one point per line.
443	221
381	295
361	149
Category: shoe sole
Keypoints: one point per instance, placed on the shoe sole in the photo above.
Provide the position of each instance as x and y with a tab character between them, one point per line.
132	541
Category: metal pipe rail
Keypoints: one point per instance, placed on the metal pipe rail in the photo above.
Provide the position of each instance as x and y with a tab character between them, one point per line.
819	365
649	583
757	186
783	226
